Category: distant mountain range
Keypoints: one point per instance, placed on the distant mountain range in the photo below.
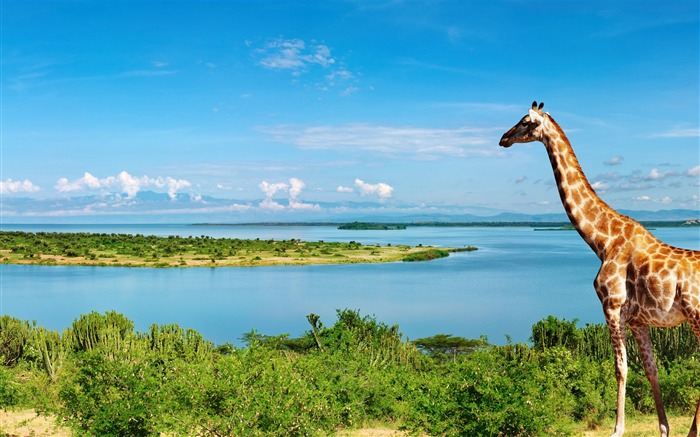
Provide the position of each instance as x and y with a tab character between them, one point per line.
153	207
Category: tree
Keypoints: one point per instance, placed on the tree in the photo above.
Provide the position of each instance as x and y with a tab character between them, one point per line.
443	346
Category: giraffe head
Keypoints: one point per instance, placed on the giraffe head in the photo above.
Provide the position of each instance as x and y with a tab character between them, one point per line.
528	129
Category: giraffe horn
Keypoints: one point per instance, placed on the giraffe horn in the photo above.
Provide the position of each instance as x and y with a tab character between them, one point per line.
534	105
541	106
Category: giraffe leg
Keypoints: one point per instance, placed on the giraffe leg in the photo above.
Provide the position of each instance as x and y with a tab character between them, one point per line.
694	428
694	432
641	334
618	337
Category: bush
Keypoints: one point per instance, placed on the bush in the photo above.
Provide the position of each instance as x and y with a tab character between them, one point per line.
118	396
487	395
10	393
14	335
426	255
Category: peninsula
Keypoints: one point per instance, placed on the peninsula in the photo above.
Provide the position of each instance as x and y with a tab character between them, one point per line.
126	250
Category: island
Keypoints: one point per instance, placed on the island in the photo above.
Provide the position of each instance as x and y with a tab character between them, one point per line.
126	250
364	226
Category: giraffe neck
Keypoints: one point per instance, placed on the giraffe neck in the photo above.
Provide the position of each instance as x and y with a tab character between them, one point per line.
590	216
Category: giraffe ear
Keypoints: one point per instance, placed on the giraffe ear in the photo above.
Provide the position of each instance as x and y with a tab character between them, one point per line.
534	105
541	106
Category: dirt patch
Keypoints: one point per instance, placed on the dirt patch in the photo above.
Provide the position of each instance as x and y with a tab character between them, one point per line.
26	423
371	432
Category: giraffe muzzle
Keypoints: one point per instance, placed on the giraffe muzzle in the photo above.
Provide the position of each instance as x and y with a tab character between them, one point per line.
505	140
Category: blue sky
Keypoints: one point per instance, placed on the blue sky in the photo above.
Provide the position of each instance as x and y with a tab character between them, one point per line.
308	108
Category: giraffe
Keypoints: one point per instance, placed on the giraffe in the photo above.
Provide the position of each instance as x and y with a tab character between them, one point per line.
642	281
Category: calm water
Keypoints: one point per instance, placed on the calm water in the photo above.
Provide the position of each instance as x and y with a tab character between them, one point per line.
517	277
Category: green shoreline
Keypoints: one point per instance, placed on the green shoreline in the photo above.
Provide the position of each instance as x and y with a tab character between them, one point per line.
126	250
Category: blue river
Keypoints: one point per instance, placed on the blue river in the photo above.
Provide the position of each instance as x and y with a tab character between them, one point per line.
517	277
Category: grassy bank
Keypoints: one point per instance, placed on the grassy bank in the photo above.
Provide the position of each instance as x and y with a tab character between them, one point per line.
124	250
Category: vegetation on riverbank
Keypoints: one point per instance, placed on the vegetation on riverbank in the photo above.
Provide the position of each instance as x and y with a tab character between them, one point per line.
364	226
93	249
103	378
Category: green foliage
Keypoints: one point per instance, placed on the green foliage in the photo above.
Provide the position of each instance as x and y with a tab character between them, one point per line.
51	349
91	331
14	335
118	396
10	391
552	332
172	251
171	341
426	255
445	346
106	379
363	226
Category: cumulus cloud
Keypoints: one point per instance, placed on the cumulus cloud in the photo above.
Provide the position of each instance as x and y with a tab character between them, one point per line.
10	186
384	191
271	189
294	189
342	189
693	172
125	182
655	174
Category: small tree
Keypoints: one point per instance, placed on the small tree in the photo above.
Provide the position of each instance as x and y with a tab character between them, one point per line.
443	346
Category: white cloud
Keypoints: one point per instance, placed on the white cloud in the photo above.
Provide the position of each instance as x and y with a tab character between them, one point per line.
520	179
693	172
384	191
293	54
300	58
294	189
666	200
296	204
643	198
655	174
271	205
124	181
615	160
419	143
271	189
10	186
342	189
679	133
599	186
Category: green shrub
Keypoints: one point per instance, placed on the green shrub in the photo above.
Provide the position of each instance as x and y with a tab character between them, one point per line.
10	393
14	336
426	255
118	396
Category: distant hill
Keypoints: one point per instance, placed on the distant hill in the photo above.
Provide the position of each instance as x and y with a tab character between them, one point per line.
154	207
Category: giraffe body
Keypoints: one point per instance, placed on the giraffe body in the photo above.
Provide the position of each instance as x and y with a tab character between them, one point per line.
642	281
